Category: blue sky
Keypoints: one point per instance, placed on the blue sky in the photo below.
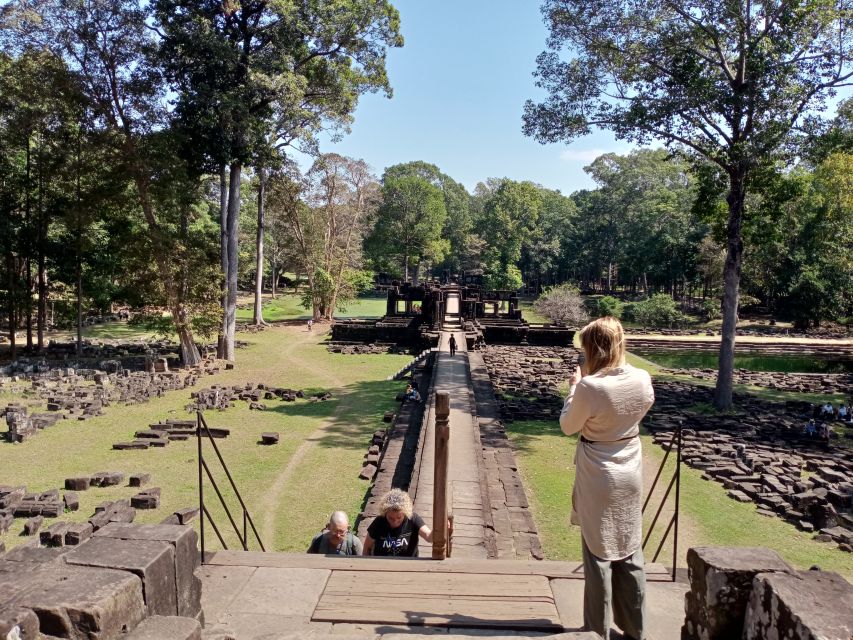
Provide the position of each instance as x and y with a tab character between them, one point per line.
460	83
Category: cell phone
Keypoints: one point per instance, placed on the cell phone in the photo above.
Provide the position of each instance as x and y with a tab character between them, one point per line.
581	360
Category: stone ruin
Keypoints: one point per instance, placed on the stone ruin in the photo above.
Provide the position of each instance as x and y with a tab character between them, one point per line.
527	380
780	381
415	314
83	394
223	397
751	593
760	455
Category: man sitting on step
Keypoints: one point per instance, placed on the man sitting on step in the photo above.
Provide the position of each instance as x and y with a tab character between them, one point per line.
336	538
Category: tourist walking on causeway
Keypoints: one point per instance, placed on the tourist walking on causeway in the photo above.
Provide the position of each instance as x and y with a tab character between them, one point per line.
396	531
452	345
605	404
336	538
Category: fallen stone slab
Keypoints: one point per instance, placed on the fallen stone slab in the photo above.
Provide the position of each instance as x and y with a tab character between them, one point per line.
187	560
152	561
269	438
139	479
808	605
187	514
172	627
107	479
78	533
137	445
149	499
32	525
54	535
71	500
77	484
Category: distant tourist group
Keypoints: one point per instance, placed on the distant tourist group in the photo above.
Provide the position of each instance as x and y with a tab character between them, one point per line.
820	424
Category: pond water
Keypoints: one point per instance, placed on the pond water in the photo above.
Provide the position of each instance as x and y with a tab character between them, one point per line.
788	364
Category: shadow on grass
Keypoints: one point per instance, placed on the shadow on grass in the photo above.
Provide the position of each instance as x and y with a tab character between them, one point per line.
524	433
361	407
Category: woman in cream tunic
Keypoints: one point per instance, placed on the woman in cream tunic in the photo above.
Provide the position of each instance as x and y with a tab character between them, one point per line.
605	404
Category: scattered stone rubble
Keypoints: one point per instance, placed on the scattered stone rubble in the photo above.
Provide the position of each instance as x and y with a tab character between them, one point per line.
800	382
85	393
223	397
761	455
527	380
752	593
357	348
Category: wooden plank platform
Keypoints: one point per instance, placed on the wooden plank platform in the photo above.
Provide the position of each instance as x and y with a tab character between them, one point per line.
445	600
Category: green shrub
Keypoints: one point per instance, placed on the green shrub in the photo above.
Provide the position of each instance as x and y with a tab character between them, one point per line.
658	311
610	306
711	309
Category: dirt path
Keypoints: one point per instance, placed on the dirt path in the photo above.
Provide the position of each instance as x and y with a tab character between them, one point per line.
300	336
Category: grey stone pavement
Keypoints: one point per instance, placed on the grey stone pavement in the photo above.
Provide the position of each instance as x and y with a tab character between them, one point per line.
465	494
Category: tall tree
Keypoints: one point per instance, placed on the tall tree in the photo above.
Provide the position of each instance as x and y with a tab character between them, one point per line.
409	225
728	80
508	221
108	45
256	74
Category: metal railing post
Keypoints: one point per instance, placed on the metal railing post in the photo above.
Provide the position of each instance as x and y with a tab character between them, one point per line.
201	508
677	499
439	504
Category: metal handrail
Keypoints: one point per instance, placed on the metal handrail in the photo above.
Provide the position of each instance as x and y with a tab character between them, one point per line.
203	430
675	481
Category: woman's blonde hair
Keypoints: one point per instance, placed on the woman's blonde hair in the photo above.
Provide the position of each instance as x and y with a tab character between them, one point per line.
603	343
396	500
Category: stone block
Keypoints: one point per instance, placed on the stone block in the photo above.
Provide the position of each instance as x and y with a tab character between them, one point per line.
33	555
172	627
54	535
809	605
269	438
152	561
187	560
32	526
79	603
77	484
107	478
71	500
123	514
18	623
146	500
139	479
720	586
78	533
186	515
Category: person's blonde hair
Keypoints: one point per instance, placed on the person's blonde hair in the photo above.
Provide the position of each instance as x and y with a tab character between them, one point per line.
603	344
396	500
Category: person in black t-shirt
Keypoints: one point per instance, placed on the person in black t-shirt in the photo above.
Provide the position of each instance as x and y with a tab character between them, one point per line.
396	531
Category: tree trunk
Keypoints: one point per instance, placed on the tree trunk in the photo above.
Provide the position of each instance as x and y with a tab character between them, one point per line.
28	251
259	250
223	255
10	273
406	268
233	230
42	267
273	277
731	280
79	301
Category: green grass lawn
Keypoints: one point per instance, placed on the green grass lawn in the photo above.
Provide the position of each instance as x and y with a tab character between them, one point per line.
324	441
287	307
708	516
